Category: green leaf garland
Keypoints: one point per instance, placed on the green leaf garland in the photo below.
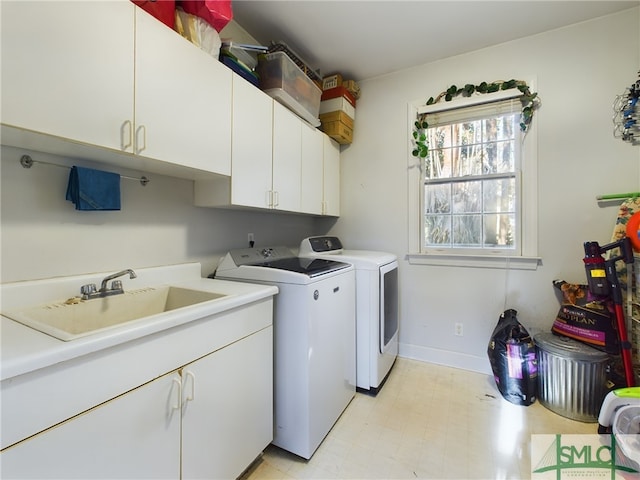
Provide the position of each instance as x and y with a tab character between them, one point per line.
529	100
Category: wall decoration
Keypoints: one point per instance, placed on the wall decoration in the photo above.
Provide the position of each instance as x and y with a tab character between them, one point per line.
529	100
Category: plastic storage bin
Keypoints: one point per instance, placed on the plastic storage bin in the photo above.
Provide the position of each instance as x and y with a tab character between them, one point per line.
283	80
626	428
572	377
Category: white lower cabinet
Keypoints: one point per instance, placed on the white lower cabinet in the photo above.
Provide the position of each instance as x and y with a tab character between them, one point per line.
227	417
209	419
135	435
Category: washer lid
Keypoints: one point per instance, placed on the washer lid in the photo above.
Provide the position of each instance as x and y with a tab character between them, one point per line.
567	347
312	267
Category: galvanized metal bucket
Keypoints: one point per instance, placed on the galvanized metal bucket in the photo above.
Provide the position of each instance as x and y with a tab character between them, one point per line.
572	377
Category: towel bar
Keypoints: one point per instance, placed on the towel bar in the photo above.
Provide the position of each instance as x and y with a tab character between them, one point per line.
27	162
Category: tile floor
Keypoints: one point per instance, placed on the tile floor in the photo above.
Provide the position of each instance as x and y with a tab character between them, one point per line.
428	421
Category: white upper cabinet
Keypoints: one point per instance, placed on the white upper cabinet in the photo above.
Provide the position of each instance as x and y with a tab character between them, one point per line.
106	81
252	146
311	170
287	151
108	74
68	69
331	176
279	162
182	100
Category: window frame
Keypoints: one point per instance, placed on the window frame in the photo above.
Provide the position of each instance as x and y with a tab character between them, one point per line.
527	183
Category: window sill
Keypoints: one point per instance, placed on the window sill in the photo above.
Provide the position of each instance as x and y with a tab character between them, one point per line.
476	261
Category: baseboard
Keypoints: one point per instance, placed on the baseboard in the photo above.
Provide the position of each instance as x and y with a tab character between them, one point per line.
445	357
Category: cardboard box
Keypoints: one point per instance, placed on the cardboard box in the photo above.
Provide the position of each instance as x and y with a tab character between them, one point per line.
338	92
337	116
338	131
352	87
331	81
336	104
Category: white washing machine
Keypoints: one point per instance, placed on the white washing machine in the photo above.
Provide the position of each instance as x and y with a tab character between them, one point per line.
314	339
377	314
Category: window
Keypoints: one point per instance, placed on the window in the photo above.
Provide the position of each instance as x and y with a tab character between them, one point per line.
470	191
476	187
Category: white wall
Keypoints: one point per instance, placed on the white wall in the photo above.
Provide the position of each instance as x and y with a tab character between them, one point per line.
578	71
44	236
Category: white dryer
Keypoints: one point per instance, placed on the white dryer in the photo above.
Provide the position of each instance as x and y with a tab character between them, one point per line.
377	314
314	339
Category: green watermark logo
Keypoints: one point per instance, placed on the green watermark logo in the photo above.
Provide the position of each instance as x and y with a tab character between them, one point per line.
563	457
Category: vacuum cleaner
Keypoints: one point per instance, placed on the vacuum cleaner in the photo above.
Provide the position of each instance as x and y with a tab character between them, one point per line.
602	278
620	416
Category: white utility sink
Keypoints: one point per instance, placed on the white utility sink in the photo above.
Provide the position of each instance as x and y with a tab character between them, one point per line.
75	318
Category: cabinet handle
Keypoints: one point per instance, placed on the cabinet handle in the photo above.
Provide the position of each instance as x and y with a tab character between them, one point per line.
276	198
269	198
126	131
188	375
176	406
141	145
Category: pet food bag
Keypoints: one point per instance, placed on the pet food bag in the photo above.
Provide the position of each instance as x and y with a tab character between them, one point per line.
512	354
586	318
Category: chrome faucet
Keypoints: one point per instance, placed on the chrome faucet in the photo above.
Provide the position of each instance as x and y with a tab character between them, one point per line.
89	291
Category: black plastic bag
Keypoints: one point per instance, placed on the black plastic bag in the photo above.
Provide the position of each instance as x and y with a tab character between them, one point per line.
512	354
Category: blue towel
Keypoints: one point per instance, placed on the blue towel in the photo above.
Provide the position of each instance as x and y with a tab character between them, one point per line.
92	189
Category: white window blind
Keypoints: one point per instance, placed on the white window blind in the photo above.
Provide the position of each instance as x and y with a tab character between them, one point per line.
471	113
456	212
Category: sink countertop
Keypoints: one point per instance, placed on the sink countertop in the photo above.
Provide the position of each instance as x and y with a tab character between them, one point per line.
24	349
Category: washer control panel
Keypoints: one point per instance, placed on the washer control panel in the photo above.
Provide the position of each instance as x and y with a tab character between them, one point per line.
253	256
321	245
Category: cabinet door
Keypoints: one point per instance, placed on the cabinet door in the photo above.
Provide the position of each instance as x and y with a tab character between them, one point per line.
311	170
331	178
287	150
67	69
183	100
136	435
251	149
228	408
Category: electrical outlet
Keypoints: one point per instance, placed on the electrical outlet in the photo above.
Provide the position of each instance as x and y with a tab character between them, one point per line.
459	330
